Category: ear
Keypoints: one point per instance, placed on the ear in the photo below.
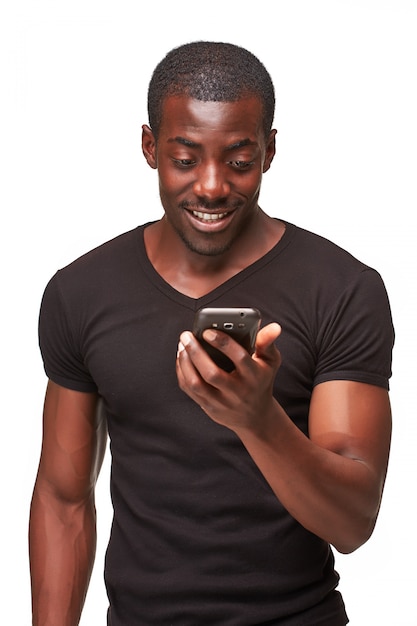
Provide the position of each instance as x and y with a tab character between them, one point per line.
270	151
149	146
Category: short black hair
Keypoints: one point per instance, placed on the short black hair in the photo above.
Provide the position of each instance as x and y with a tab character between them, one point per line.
211	72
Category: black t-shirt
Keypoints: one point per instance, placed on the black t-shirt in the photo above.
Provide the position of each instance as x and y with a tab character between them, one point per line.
198	537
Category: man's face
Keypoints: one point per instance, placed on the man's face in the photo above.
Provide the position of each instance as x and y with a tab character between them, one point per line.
210	158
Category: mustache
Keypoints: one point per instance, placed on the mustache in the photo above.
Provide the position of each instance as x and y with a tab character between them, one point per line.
209	206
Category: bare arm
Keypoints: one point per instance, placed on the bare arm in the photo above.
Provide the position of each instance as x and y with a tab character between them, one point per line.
331	482
62	535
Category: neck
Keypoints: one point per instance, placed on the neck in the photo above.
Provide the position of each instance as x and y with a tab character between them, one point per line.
195	274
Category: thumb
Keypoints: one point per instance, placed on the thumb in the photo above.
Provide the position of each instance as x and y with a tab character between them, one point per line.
264	346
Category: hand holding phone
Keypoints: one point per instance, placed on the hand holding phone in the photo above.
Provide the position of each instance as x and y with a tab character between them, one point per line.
242	324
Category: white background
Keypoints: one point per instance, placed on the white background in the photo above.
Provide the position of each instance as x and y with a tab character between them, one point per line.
73	82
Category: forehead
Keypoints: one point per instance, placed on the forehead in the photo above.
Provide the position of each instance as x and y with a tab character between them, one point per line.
184	115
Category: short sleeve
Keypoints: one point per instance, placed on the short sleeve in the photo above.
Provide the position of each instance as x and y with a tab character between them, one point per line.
59	342
356	337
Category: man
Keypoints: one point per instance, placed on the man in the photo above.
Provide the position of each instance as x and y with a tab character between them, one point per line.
228	487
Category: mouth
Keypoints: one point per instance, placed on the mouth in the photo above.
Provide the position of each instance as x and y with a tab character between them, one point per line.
209	217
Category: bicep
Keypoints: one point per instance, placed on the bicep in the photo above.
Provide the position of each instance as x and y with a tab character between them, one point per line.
354	420
74	437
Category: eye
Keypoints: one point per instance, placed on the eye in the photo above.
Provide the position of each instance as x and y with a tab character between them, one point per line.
241	165
183	163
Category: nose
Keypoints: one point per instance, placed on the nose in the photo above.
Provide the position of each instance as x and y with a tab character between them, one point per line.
211	182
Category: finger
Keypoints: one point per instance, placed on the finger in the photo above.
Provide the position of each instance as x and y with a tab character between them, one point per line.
227	346
188	377
204	392
265	341
195	360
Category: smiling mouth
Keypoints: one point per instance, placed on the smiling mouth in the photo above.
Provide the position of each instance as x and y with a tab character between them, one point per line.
209	217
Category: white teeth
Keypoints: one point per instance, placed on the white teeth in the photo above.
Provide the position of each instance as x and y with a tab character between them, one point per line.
209	217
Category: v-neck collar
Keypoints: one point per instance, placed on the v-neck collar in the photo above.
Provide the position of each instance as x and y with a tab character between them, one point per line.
195	303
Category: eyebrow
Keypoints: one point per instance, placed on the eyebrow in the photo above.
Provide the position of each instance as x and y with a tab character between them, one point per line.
241	144
193	144
185	142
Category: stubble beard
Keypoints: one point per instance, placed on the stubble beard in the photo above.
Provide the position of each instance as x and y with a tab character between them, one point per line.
204	250
206	246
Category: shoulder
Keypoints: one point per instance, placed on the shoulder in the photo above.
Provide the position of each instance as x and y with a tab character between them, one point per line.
101	273
121	246
106	263
327	279
318	260
313	246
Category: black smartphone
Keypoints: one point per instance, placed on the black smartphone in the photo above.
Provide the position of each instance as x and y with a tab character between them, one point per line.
242	324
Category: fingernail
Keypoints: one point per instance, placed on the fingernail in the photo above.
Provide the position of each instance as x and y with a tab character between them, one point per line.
210	334
185	339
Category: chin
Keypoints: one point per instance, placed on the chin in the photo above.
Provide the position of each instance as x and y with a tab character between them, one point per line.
207	250
204	246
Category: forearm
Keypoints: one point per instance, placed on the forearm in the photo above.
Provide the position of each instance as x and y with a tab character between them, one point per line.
331	482
62	540
333	495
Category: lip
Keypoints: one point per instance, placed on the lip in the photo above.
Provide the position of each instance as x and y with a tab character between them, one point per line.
209	221
210	216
